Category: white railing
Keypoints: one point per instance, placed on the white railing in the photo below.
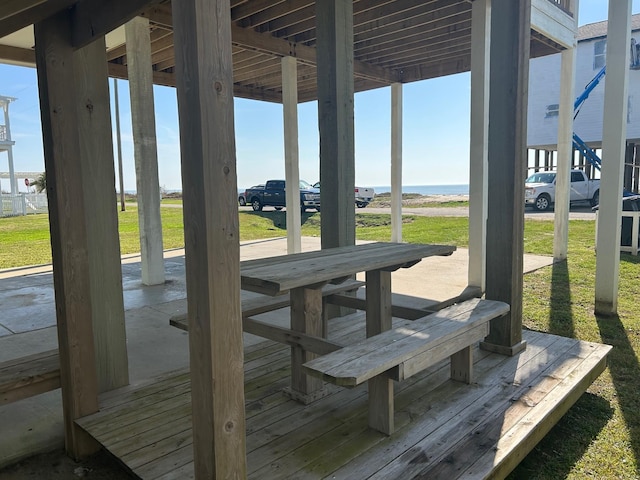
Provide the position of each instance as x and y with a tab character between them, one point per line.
3	133
23	204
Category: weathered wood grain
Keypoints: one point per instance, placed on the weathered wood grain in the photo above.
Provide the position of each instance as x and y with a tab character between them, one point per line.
280	274
436	419
29	375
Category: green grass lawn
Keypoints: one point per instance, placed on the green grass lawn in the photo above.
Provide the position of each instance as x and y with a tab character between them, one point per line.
598	438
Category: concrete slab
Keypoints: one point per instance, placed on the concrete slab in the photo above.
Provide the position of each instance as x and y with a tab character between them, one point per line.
27	325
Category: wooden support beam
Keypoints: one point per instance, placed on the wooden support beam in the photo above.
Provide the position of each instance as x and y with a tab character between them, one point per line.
212	260
95	18
478	153
68	222
565	151
335	121
96	143
396	162
17	14
507	148
614	134
291	159
145	150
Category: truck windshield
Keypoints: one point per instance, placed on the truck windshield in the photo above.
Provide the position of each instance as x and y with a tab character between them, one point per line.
304	185
541	178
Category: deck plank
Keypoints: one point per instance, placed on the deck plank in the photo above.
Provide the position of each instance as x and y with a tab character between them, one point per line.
513	403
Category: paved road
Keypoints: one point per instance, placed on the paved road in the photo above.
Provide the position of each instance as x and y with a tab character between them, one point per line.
577	213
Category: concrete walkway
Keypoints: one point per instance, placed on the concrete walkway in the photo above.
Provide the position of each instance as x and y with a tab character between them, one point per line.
27	325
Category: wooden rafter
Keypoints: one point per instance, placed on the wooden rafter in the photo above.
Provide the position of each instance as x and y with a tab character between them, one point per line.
394	40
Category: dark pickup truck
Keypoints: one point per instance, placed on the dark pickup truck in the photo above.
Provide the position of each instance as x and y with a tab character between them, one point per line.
273	195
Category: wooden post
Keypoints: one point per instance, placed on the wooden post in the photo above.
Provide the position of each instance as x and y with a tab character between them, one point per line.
480	32
205	105
68	224
98	178
143	123
306	317
381	409
510	36
537	161
334	29
396	162
291	160
565	150
613	149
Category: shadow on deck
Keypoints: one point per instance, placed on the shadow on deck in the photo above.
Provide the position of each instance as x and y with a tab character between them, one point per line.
444	429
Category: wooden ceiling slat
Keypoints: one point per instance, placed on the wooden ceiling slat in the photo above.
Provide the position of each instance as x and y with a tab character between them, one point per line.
410	43
253	7
425	20
418	55
403	40
279	26
276	12
459	64
156	36
394	40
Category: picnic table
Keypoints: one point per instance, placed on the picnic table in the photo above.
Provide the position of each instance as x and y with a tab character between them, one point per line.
303	275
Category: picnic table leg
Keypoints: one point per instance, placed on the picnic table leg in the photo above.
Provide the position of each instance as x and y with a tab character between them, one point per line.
379	320
306	317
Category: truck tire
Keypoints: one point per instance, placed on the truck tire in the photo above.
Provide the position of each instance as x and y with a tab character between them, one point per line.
303	209
256	204
543	202
361	204
595	200
242	201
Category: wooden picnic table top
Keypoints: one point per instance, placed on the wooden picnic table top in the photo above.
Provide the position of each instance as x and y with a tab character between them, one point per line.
278	275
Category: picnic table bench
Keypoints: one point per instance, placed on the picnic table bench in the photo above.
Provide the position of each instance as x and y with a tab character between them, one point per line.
303	275
399	353
29	375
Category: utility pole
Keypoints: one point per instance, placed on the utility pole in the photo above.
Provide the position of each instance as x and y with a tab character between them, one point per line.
119	142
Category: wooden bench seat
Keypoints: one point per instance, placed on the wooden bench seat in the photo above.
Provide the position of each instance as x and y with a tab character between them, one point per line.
262	304
30	375
401	352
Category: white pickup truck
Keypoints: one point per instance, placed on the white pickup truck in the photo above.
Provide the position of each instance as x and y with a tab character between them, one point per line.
364	196
540	189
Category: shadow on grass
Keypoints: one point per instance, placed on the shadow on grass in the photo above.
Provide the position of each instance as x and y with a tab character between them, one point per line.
625	374
279	217
560	315
558	452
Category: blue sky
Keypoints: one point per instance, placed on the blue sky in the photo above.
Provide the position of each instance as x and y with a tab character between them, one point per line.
435	143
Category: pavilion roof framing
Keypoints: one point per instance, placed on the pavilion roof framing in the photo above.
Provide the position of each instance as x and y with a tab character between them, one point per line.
394	40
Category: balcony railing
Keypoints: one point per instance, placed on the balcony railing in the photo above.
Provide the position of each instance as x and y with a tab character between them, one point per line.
3	133
564	5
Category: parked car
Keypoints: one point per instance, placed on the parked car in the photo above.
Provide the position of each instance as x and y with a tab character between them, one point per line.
363	196
242	198
540	189
272	194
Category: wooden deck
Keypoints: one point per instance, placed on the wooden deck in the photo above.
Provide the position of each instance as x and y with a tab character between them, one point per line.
444	429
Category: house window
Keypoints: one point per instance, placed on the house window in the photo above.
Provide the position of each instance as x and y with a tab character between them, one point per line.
599	54
552	110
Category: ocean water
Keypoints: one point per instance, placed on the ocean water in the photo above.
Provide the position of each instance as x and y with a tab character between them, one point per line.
462	189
